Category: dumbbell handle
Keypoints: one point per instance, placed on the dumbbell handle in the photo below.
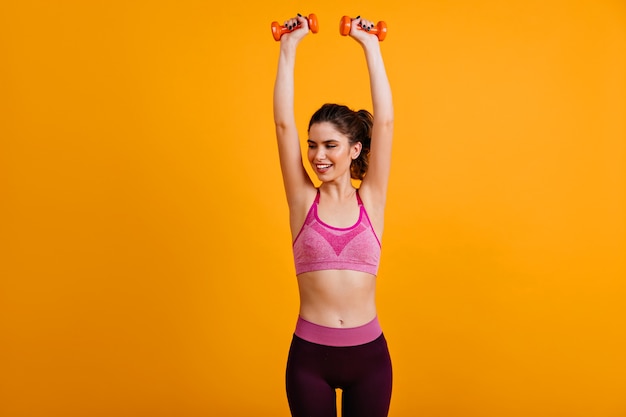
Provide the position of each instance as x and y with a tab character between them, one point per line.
380	30
278	31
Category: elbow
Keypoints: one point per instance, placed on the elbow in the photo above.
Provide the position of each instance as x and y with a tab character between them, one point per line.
279	123
385	122
384	118
281	126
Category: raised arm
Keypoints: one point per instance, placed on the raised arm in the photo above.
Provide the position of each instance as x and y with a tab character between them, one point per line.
374	186
295	178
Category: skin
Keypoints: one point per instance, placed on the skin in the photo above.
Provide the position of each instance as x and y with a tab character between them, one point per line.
334	298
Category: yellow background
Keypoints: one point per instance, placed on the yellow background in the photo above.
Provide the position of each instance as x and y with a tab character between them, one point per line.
145	254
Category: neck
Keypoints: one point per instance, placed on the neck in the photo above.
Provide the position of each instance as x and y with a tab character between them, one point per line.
338	191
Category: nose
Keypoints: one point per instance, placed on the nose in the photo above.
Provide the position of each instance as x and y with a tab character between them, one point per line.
319	154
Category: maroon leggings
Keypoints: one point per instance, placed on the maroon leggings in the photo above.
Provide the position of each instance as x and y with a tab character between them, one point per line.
362	372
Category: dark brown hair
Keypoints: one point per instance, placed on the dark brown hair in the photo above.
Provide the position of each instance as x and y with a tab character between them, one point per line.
356	125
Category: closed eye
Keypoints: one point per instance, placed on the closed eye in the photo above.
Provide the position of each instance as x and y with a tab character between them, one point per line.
328	144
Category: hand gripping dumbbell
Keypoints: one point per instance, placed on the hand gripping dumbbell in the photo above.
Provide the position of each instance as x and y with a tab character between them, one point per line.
278	30
380	30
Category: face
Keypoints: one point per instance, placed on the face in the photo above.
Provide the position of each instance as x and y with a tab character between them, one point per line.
330	152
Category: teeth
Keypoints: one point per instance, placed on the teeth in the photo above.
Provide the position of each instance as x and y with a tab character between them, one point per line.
323	166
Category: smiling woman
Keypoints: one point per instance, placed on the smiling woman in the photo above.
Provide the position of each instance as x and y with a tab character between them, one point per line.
145	267
338	342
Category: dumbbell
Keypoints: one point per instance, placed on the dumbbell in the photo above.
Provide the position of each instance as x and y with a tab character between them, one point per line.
278	30
380	30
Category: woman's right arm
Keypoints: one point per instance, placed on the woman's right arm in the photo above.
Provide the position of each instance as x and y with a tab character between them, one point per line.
295	178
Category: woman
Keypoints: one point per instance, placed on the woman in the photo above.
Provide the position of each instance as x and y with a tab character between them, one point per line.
336	229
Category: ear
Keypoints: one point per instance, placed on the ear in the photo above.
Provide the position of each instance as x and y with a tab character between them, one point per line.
356	150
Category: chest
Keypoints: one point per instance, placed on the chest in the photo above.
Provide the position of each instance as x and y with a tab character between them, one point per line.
339	216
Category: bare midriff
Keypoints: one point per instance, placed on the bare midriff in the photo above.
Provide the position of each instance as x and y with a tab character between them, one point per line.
337	298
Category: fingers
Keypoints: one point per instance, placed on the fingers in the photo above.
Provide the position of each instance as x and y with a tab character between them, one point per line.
364	24
296	21
358	28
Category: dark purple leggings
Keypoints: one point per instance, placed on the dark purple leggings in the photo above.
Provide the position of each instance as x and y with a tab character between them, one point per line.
362	372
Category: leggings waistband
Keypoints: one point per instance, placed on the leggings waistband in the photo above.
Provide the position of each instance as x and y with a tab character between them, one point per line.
333	336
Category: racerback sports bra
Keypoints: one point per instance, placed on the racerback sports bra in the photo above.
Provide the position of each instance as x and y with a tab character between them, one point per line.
319	246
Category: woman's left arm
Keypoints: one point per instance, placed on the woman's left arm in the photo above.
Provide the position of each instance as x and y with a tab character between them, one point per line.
374	185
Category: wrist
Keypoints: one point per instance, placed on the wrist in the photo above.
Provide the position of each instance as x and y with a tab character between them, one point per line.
288	47
371	45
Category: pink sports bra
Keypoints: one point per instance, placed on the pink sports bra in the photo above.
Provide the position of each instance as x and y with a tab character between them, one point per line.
319	246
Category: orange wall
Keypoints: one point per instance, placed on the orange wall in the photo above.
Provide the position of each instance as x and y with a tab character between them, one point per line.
145	256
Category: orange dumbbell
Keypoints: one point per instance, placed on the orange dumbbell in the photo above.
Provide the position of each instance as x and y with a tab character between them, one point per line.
278	30
380	30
